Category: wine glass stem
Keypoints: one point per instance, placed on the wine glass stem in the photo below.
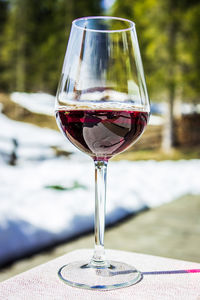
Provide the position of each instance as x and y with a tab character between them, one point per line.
98	258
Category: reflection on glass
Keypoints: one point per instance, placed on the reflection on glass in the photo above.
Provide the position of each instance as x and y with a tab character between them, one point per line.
102	107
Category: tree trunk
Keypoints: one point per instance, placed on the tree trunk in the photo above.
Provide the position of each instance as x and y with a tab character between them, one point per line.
21	23
168	141
20	71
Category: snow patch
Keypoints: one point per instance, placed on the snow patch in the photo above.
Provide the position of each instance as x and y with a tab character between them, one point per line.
41	103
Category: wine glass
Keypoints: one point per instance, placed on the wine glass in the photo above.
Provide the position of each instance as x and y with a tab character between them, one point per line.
102	107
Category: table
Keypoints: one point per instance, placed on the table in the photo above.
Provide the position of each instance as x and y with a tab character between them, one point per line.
163	278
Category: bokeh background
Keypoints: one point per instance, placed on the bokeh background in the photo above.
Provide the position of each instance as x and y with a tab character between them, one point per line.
42	177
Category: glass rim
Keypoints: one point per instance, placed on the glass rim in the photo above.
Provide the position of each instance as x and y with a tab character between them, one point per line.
131	23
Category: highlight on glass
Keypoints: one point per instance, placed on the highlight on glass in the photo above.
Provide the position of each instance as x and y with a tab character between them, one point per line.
102	108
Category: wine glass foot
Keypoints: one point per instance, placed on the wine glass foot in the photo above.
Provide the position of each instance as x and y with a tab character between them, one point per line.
114	275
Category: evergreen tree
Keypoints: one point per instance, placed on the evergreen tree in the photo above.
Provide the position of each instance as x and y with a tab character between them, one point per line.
163	36
34	41
16	40
191	66
3	20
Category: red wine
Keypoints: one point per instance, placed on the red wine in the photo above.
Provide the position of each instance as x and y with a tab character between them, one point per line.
102	133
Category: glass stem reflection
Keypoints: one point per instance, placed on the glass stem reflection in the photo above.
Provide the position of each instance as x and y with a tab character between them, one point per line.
98	258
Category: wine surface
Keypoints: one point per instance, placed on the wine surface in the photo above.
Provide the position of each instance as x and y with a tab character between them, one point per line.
102	133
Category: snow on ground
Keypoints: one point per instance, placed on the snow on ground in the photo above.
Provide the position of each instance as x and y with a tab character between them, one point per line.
32	141
34	215
44	104
41	103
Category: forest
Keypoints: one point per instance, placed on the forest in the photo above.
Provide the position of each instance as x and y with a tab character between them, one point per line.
34	34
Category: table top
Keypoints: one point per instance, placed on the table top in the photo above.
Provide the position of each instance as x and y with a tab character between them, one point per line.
163	278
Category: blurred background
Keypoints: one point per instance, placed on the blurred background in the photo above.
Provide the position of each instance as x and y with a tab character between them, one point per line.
41	174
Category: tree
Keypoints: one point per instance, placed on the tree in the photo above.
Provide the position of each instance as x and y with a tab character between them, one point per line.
3	20
191	66
34	41
165	50
15	44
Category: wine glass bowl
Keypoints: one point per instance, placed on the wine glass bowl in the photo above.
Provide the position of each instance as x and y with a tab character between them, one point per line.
102	133
102	107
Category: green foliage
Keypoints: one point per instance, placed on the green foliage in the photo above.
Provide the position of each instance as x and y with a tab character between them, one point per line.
3	20
34	34
76	185
168	33
191	57
34	40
